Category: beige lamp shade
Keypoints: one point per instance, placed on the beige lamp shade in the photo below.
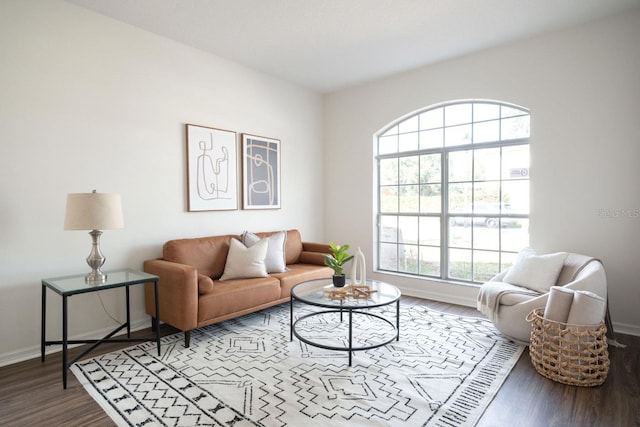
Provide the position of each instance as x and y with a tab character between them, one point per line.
93	211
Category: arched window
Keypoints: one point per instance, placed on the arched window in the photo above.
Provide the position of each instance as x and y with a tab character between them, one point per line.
453	191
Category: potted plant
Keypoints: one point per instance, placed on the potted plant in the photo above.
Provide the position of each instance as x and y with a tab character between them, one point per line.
336	261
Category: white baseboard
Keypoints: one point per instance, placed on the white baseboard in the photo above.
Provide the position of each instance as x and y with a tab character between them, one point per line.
625	328
435	296
33	352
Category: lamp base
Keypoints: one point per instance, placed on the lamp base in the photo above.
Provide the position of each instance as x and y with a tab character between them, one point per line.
95	261
96	277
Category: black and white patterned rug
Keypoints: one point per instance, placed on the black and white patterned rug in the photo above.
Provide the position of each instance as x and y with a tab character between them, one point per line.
444	371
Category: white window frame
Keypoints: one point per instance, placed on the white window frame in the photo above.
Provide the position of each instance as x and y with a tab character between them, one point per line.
410	139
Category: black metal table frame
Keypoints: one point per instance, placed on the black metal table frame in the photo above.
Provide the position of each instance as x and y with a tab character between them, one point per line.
351	310
96	342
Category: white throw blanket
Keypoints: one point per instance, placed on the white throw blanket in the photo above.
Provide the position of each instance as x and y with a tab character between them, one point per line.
491	293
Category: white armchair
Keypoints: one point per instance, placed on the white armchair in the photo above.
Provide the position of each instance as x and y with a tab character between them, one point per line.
508	305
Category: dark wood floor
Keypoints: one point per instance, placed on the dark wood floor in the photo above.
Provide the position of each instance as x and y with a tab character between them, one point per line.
31	392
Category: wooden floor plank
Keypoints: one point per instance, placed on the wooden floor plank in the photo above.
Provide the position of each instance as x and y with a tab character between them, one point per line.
31	392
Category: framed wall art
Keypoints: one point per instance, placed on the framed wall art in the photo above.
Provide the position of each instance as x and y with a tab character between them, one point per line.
260	172
211	169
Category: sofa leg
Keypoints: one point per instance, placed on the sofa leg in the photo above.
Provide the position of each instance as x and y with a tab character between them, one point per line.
187	339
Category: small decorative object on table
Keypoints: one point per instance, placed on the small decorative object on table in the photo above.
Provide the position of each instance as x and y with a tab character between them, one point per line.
338	258
363	291
358	269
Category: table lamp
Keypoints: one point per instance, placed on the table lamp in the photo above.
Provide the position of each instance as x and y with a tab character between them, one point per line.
94	211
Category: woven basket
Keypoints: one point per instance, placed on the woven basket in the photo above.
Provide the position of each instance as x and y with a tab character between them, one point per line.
569	354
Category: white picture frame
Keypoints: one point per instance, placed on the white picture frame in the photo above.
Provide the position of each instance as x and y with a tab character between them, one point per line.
212	169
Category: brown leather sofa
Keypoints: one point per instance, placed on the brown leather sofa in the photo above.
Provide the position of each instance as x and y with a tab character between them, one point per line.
191	294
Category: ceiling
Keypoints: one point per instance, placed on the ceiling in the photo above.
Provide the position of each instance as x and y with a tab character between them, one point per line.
327	45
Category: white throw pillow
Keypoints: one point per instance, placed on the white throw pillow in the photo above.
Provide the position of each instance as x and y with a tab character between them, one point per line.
536	272
275	259
245	263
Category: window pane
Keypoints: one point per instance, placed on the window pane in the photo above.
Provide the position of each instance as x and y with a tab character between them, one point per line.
388	171
408	228
482	112
460	264
432	138
389	229
432	118
457	114
389	199
429	231
457	135
485	265
388	144
515	162
429	261
409	262
515	194
460	198
409	125
409	170
430	199
486	131
460	233
510	111
408	249
516	236
430	169
409	198
391	131
514	128
485	237
460	166
408	141
486	165
388	256
486	198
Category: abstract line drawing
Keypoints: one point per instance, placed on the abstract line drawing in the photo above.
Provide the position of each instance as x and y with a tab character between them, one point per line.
212	169
261	172
213	174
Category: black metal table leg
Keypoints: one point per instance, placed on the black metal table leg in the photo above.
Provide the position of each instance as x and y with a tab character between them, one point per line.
128	314
43	323
350	333
157	318
65	339
398	320
291	320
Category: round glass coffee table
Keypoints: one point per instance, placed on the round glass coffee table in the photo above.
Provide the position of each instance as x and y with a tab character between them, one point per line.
322	293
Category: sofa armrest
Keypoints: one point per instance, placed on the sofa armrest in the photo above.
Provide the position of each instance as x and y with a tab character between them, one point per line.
313	253
178	293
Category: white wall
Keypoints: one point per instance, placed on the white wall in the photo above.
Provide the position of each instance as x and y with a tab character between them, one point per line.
583	88
89	103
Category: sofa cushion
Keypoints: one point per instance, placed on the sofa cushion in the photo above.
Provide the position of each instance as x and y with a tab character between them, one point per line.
231	296
275	259
536	272
299	273
243	262
207	254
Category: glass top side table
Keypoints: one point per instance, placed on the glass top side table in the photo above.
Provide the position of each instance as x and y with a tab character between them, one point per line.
68	286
